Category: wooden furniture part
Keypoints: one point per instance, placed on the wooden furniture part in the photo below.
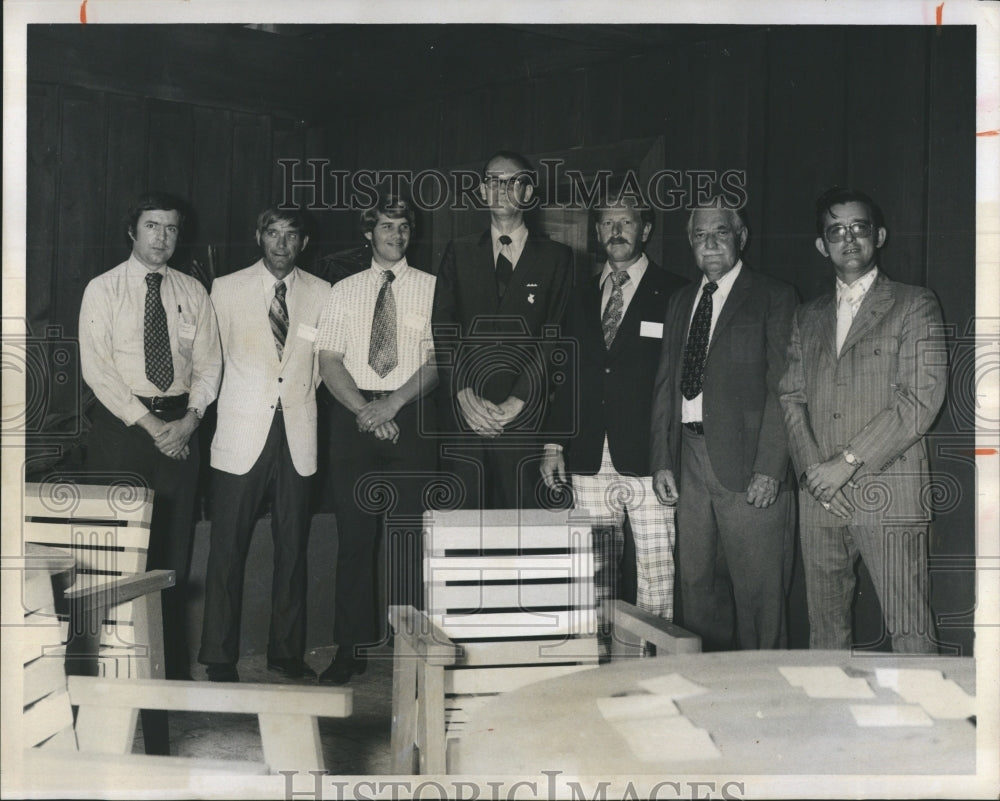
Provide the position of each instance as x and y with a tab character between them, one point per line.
509	600
106	529
736	714
95	751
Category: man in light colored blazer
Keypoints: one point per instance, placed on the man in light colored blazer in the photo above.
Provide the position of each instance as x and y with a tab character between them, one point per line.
860	392
716	420
265	443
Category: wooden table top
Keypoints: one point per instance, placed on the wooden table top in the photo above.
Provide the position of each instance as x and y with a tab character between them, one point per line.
635	717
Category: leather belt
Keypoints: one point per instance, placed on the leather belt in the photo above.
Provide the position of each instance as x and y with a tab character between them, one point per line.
697	428
375	394
165	403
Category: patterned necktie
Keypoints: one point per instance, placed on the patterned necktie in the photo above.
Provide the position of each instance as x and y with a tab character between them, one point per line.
612	316
156	339
504	269
849	299
278	315
382	349
697	344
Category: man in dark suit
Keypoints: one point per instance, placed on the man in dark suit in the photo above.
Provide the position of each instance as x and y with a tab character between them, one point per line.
717	420
859	394
599	421
498	300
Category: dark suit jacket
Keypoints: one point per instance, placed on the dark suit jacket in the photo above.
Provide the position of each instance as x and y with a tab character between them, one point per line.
744	427
879	398
611	391
499	347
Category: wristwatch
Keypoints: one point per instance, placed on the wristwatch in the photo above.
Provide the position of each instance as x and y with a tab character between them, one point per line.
851	459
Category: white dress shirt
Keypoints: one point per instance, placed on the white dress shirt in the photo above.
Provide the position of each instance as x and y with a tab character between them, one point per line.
512	251
691	409
853	293
112	352
345	326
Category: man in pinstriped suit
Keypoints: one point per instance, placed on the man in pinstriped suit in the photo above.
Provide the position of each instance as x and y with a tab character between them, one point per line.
860	392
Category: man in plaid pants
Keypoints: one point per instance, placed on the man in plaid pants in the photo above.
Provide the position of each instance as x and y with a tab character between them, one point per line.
599	423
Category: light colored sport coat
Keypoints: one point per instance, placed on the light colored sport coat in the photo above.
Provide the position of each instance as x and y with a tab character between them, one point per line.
878	399
254	379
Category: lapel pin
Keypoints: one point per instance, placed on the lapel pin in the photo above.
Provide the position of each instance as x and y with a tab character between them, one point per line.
532	285
531	297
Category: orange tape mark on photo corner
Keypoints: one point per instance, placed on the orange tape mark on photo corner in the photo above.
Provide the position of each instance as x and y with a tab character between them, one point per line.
83	12
987	133
985	451
939	12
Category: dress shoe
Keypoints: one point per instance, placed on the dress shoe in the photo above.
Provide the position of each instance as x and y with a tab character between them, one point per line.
344	665
222	671
291	667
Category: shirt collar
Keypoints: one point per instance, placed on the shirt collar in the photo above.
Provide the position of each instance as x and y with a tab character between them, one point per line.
635	271
268	280
398	269
861	285
517	237
726	282
138	271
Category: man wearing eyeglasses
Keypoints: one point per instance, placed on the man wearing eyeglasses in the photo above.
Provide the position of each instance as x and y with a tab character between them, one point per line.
719	448
496	295
860	392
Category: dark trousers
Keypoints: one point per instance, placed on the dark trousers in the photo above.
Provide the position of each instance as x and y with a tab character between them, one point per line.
733	559
497	474
378	488
236	502
117	451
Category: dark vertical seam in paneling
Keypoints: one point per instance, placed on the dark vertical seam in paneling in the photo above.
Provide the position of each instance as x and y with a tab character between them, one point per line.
845	164
57	197
928	120
765	222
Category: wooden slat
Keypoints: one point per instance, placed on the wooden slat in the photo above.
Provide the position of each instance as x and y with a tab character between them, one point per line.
666	636
490	596
517	624
291	742
528	652
50	771
334	702
492	537
37	592
45	718
501	680
83	536
106	729
131	504
502	567
43	676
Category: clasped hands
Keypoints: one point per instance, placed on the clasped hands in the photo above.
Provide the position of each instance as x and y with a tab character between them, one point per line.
171	438
378	417
486	418
825	482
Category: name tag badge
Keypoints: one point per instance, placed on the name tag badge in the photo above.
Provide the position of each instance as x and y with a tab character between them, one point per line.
648	329
186	330
307	332
414	321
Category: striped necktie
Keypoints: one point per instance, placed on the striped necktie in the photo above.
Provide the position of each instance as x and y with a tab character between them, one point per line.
382	356
278	315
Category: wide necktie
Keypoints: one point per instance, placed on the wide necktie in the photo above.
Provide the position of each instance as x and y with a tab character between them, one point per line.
845	313
612	316
156	339
504	269
693	375
278	315
382	348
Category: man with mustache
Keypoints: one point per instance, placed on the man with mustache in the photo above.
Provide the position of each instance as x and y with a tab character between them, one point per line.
265	443
616	319
861	390
718	428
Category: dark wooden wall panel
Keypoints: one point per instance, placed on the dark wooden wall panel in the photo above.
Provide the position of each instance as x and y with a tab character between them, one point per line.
602	120
80	238
211	176
886	129
170	147
557	108
249	186
41	214
126	171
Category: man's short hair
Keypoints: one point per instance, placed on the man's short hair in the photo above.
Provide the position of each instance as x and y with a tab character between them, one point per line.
716	204
523	165
612	197
391	206
155	201
295	217
838	196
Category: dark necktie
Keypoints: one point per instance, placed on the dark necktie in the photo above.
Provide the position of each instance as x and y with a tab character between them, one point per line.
504	269
156	339
278	315
697	344
382	349
612	316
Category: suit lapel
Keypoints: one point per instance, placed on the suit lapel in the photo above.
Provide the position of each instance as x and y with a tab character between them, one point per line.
484	278
517	291
629	328
681	328
737	297
878	300
826	321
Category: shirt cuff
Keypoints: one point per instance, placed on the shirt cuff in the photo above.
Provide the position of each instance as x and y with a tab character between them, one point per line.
552	447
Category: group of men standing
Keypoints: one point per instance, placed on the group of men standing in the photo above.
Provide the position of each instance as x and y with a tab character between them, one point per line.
686	396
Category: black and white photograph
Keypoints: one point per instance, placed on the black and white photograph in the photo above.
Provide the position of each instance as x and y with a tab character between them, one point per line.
471	401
